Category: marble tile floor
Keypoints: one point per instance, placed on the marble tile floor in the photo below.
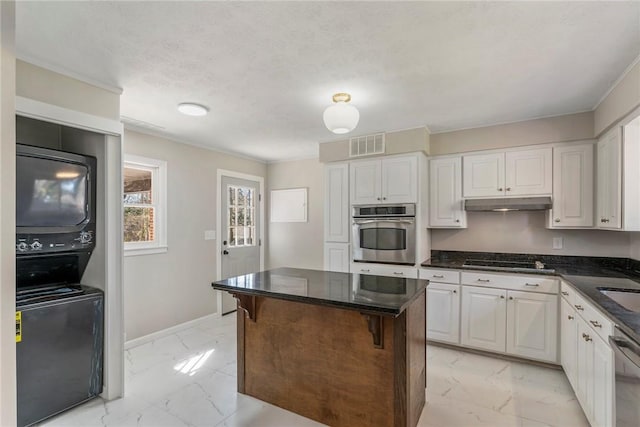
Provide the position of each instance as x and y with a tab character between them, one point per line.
188	379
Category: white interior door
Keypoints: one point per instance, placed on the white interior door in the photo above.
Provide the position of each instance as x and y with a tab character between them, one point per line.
240	231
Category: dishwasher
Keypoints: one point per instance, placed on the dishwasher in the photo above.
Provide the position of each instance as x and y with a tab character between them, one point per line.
627	383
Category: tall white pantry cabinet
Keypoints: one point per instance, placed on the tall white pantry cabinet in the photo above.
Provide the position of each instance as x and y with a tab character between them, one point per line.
337	218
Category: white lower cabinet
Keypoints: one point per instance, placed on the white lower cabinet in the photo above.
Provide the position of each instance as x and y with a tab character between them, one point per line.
484	316
588	362
569	341
532	324
443	312
337	257
518	323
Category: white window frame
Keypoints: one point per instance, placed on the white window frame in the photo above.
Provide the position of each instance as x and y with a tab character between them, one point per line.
158	170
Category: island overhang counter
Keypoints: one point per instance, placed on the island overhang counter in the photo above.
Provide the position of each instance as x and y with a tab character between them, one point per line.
342	349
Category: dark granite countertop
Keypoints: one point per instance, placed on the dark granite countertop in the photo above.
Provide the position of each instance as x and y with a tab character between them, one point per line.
586	274
371	294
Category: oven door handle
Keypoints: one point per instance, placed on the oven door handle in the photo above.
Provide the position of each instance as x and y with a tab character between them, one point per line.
625	348
373	221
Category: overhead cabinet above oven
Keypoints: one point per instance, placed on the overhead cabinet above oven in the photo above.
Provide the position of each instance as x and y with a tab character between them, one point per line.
511	173
384	181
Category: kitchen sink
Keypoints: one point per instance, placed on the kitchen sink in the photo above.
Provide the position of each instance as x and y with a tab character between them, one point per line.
628	298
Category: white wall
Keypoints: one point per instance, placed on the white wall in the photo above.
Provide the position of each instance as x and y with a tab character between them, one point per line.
164	290
7	215
570	127
620	101
524	232
297	244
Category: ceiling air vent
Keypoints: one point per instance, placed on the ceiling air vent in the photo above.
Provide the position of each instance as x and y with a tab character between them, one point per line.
366	145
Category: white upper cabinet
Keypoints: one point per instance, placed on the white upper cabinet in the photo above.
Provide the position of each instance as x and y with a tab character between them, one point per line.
572	186
514	173
445	193
336	203
618	177
384	181
609	188
483	175
528	172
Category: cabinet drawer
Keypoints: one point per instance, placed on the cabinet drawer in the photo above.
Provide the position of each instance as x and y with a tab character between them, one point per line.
385	270
440	275
594	318
568	293
517	283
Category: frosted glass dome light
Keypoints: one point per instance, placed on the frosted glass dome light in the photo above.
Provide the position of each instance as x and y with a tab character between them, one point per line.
191	109
341	117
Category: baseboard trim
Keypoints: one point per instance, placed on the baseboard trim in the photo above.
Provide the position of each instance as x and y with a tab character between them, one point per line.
168	331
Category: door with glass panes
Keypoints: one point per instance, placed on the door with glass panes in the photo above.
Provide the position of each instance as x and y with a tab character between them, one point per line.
240	232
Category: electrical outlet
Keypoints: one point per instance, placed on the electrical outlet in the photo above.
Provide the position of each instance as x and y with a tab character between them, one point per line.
557	243
210	235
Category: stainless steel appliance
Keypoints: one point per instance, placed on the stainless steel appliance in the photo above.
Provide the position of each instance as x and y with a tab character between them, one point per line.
385	234
627	387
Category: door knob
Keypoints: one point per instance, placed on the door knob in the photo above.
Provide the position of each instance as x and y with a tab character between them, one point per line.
225	252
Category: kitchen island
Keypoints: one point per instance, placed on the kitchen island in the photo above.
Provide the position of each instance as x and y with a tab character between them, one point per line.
342	349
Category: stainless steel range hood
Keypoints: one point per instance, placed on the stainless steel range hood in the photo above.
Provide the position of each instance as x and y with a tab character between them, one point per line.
505	204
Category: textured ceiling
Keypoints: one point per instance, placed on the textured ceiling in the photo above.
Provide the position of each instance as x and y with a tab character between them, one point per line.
268	70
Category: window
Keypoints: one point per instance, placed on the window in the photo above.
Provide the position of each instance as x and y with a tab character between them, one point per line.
241	229
144	201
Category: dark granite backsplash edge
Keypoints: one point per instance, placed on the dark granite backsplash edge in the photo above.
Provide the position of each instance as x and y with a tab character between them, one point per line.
621	264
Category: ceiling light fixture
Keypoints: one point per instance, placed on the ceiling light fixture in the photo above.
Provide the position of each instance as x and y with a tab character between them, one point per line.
341	117
191	109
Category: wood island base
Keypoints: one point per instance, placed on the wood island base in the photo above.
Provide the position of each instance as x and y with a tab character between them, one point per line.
337	366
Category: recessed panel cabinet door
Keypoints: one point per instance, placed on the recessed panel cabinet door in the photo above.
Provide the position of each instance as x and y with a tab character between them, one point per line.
603	383
399	180
569	341
365	182
528	172
585	374
443	312
572	186
483	175
337	227
609	173
445	193
532	324
484	315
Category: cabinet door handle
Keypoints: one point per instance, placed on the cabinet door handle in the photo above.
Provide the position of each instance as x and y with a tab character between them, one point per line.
570	317
457	220
455	292
508	188
532	284
437	276
378	198
510	297
384	198
579	307
557	220
564	293
365	270
595	323
398	273
502	296
500	189
586	337
484	280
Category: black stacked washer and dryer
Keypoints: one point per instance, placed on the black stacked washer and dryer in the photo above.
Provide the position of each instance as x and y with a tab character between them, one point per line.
59	321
